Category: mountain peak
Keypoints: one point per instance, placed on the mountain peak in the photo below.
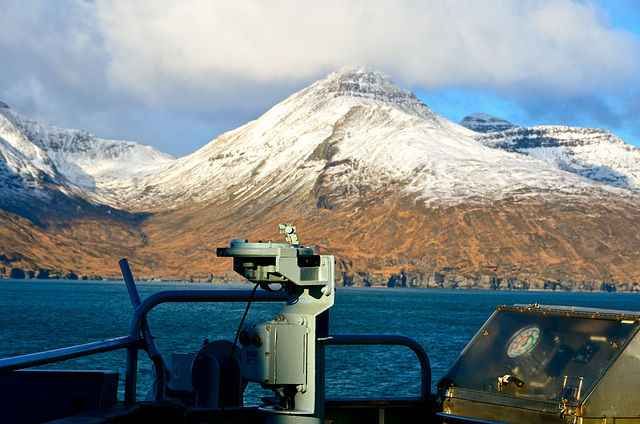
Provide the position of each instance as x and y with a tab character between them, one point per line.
485	123
363	82
360	85
361	79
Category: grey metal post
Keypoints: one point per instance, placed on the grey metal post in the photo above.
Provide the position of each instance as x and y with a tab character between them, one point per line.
152	348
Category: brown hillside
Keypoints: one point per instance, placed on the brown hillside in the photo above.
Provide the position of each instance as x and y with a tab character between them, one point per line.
389	235
373	240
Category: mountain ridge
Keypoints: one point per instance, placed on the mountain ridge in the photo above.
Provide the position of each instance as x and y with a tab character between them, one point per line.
82	157
371	174
590	152
306	123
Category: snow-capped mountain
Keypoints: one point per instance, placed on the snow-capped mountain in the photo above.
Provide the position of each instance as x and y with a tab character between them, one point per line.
48	172
81	158
290	146
21	156
348	133
345	135
42	166
367	172
590	152
28	177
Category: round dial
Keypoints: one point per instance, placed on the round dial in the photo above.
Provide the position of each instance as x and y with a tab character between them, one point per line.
523	341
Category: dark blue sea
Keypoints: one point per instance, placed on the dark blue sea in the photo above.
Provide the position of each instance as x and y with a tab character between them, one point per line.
37	315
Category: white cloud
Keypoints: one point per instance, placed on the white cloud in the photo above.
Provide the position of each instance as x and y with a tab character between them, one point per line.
163	47
109	65
50	51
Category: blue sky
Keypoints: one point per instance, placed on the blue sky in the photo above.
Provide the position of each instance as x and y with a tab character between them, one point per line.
177	74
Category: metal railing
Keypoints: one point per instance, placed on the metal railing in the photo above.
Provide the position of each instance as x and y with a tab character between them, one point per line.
140	337
383	339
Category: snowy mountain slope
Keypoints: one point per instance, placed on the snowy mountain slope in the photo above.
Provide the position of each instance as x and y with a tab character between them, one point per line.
31	186
383	146
25	169
346	134
279	147
590	152
84	159
50	173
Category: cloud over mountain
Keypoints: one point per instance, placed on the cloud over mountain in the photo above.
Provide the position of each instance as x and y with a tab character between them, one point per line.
565	45
121	68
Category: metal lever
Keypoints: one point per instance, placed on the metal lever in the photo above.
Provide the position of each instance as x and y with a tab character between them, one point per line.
508	378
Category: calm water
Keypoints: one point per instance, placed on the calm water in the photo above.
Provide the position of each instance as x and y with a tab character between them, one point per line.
40	315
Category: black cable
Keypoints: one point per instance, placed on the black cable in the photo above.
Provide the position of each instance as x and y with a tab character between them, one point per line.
235	341
246	311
